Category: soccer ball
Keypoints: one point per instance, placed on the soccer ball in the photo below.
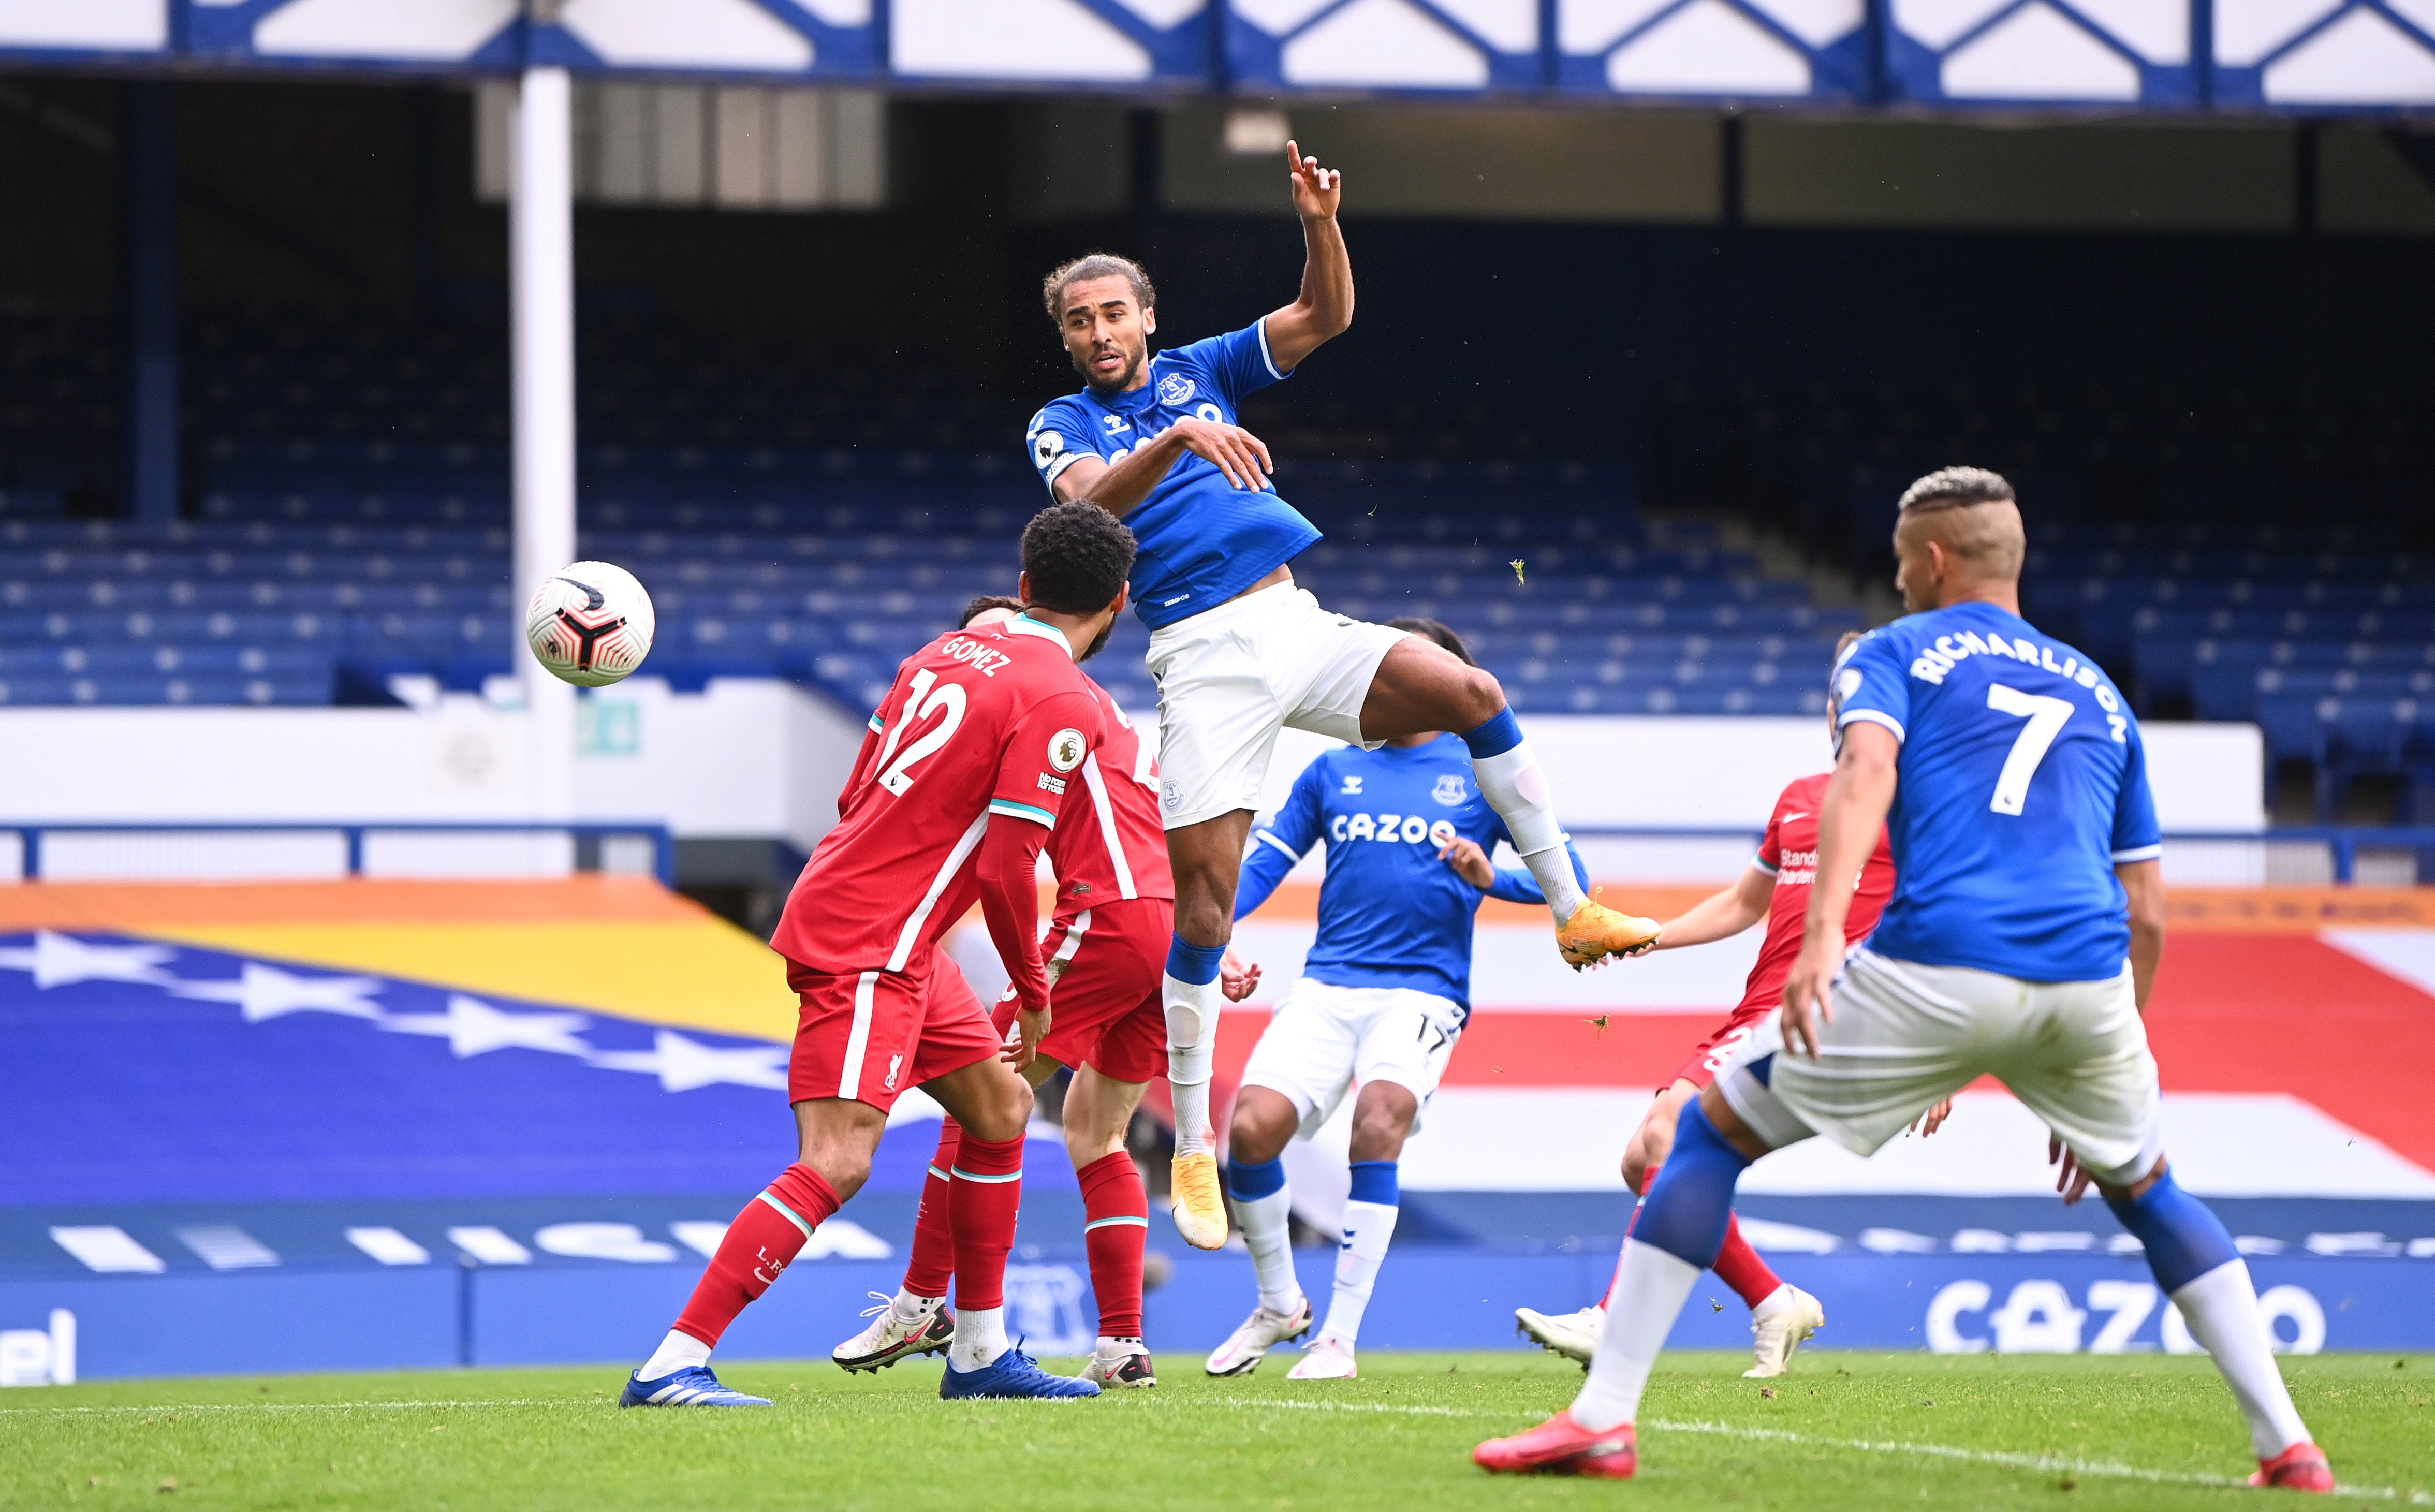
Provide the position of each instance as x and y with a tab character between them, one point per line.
590	624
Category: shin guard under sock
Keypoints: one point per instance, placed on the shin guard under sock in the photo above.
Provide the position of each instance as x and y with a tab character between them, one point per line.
932	1263
1115	1232
983	1199
1510	779
765	1237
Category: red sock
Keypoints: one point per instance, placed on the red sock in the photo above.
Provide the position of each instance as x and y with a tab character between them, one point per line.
1115	1229
932	1264
987	1190
769	1232
1738	1265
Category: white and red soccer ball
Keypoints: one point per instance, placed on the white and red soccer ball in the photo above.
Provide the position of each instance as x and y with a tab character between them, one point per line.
590	624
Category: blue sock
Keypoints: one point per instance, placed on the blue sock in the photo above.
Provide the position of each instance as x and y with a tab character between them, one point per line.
1495	737
1373	1181
2185	1238
1197	964
1692	1199
1249	1182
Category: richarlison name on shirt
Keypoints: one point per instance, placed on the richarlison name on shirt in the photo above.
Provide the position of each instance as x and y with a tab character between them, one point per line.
1948	651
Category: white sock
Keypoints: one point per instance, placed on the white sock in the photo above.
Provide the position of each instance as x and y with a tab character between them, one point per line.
980	1337
1516	788
1266	1223
676	1353
1191	1050
1650	1287
2220	1308
909	1307
1368	1227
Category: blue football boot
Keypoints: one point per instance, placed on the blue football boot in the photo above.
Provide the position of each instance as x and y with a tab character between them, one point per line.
693	1386
1012	1374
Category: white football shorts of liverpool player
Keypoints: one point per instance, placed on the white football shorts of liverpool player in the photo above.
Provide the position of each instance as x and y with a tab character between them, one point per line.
1230	677
1324	1039
1905	1035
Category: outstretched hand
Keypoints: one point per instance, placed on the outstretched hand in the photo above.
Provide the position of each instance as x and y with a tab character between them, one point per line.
1236	979
1929	1122
1317	191
2070	1180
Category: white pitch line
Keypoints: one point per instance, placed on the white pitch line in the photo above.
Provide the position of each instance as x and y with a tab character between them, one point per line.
1356	1406
2101	1468
303	1406
2049	1463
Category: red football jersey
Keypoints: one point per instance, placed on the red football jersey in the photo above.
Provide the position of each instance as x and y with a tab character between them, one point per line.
994	720
1117	848
1789	853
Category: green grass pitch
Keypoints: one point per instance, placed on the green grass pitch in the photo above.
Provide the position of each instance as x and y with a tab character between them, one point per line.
1858	1431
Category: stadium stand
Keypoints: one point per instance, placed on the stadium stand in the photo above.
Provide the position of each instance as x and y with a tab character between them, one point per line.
797	514
319	565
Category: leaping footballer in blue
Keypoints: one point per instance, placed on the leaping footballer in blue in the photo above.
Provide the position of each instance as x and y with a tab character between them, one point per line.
1237	649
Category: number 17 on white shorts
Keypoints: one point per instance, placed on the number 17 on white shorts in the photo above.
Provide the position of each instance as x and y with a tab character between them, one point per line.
1324	1039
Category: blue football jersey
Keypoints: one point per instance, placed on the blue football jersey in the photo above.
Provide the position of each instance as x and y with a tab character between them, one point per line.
2021	784
1390	914
1203	540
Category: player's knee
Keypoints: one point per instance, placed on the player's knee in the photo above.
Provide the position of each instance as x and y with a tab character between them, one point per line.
1005	1109
1635	1167
1480	695
1379	1137
1255	1140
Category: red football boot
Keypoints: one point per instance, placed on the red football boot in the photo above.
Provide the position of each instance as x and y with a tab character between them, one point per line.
2301	1467
1563	1447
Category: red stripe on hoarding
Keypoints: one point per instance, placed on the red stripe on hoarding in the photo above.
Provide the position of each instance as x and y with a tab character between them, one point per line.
2289	1013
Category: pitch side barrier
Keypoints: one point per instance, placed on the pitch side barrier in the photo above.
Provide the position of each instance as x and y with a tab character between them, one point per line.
308	851
2205	55
455	1309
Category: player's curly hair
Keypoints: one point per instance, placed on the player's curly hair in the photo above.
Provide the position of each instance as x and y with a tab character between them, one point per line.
1955	487
985	603
1077	555
1436	631
1093	265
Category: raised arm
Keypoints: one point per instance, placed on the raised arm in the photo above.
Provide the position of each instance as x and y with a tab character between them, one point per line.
1849	820
1324	308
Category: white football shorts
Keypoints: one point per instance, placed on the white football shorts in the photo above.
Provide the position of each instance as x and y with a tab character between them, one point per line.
1230	677
1905	1035
1323	1039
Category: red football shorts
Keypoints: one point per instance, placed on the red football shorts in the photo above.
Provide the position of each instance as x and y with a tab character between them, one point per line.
1105	1010
1721	1047
867	1035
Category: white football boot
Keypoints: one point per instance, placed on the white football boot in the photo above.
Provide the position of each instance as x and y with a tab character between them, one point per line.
894	1334
1574	1336
1262	1330
1330	1358
1120	1362
1779	1324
